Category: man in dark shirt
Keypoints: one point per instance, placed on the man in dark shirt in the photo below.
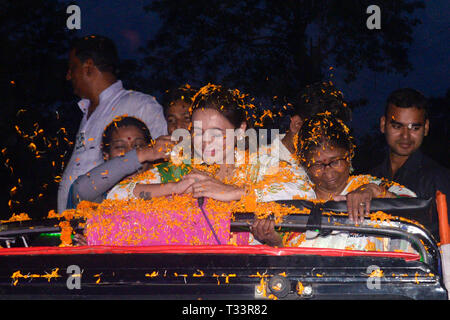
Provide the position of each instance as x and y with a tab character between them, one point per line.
405	123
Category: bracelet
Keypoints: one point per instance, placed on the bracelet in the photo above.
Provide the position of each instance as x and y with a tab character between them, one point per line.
130	190
383	193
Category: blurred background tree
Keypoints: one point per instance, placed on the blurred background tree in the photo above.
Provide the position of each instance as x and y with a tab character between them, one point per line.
274	48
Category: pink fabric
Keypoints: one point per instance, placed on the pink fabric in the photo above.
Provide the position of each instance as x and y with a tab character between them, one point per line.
242	238
132	228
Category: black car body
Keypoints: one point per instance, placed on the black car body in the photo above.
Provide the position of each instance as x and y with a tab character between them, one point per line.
33	268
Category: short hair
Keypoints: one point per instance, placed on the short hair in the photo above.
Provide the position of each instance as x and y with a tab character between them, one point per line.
321	97
231	103
100	49
123	121
183	93
407	98
322	129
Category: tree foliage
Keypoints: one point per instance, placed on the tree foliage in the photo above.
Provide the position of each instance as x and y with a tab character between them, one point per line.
274	48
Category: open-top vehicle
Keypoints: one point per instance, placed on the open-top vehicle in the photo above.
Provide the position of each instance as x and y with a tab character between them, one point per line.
32	265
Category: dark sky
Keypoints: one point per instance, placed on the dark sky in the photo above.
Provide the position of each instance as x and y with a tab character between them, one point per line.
130	27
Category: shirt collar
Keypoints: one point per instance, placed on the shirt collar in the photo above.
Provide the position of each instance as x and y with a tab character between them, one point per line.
83	104
414	161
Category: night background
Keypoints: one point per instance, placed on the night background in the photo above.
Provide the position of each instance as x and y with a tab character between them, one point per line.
268	49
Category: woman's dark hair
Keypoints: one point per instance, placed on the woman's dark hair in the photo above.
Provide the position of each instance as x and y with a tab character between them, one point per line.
100	49
322	129
407	98
120	122
184	93
230	103
320	97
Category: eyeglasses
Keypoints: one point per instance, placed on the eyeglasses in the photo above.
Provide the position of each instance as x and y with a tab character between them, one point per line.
318	168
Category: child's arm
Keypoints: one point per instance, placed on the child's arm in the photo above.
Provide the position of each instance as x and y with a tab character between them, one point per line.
92	185
148	191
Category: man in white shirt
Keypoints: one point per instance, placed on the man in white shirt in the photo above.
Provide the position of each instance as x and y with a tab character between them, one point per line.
92	70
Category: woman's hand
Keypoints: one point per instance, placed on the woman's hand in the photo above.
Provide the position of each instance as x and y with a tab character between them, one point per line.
80	239
207	186
264	231
149	191
358	201
183	186
160	150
